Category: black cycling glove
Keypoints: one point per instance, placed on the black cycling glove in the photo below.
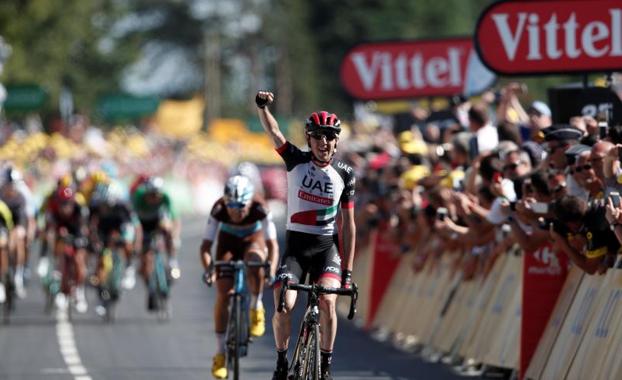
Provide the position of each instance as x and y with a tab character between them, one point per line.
261	102
346	278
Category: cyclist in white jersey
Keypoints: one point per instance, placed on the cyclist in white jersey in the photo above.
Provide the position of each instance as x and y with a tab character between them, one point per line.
317	186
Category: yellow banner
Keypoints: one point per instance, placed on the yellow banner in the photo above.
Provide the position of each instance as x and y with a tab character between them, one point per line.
180	118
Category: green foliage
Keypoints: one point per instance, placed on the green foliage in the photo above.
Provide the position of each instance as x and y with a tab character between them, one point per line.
298	49
54	42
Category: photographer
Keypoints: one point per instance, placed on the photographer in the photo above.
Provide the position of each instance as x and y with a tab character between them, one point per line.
582	232
531	213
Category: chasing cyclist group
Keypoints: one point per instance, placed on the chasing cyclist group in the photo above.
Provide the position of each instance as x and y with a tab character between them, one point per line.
320	224
83	215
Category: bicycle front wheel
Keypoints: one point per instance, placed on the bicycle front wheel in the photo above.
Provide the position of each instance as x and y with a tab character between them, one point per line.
311	365
235	337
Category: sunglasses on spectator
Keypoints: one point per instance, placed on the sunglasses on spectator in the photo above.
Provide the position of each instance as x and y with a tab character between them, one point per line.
236	205
512	166
330	136
579	169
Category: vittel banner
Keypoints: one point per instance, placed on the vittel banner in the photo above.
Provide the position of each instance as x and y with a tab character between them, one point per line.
544	37
410	69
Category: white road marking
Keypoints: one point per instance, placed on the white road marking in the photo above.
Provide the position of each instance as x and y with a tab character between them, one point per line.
68	349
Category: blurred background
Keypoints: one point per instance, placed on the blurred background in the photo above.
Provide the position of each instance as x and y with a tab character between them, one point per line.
152	83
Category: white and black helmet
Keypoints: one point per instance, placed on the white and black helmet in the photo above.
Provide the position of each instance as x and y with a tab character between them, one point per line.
238	190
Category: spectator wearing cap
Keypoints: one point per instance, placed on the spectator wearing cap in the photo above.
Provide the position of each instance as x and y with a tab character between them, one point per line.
582	232
479	125
535	152
558	138
539	118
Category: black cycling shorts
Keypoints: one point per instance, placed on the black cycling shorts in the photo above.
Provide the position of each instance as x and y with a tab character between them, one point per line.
316	255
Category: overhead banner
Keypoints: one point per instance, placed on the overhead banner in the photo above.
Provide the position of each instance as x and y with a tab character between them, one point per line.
546	37
410	69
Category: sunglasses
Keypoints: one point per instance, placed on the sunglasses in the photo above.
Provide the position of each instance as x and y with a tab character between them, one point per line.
512	166
236	205
330	136
579	169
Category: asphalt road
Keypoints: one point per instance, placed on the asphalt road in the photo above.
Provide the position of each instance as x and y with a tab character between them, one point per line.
39	346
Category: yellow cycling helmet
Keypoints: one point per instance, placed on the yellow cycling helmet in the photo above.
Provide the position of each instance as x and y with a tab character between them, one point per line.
99	176
65	180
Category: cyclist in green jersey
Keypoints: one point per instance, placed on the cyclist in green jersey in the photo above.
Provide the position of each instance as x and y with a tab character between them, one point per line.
156	213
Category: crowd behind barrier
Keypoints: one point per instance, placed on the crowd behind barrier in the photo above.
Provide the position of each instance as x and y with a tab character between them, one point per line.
490	238
486	236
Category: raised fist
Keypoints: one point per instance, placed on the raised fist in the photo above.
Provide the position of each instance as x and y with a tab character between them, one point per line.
264	98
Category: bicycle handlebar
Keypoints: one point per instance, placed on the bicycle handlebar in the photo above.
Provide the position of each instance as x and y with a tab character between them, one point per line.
319	290
235	265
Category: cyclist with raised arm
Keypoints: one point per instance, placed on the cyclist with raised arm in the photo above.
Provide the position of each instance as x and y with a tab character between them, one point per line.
244	230
316	186
155	212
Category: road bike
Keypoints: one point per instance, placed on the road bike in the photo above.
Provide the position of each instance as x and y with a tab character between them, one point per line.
113	265
159	282
306	363
238	328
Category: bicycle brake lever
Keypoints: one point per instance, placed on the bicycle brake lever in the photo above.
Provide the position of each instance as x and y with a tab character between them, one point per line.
353	298
282	296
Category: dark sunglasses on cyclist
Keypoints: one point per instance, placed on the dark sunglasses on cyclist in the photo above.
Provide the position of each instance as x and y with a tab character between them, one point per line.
511	166
235	205
330	136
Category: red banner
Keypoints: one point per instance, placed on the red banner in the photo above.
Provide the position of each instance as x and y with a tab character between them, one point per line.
385	262
543	37
408	69
544	273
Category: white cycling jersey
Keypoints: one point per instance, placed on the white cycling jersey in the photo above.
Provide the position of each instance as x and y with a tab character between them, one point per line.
314	192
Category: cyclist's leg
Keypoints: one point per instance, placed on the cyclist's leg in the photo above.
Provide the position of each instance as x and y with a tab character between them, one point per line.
128	236
293	270
146	257
327	272
4	261
80	258
256	252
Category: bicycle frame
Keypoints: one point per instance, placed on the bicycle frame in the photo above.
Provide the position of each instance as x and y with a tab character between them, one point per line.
238	329
306	364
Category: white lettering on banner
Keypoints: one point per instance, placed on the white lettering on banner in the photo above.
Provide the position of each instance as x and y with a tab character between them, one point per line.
597	38
402	72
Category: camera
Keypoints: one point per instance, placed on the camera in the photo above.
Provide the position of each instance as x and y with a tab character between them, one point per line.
615	198
540	207
441	213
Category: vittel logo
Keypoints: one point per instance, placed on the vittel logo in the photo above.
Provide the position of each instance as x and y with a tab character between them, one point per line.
524	37
403	71
412	68
594	39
